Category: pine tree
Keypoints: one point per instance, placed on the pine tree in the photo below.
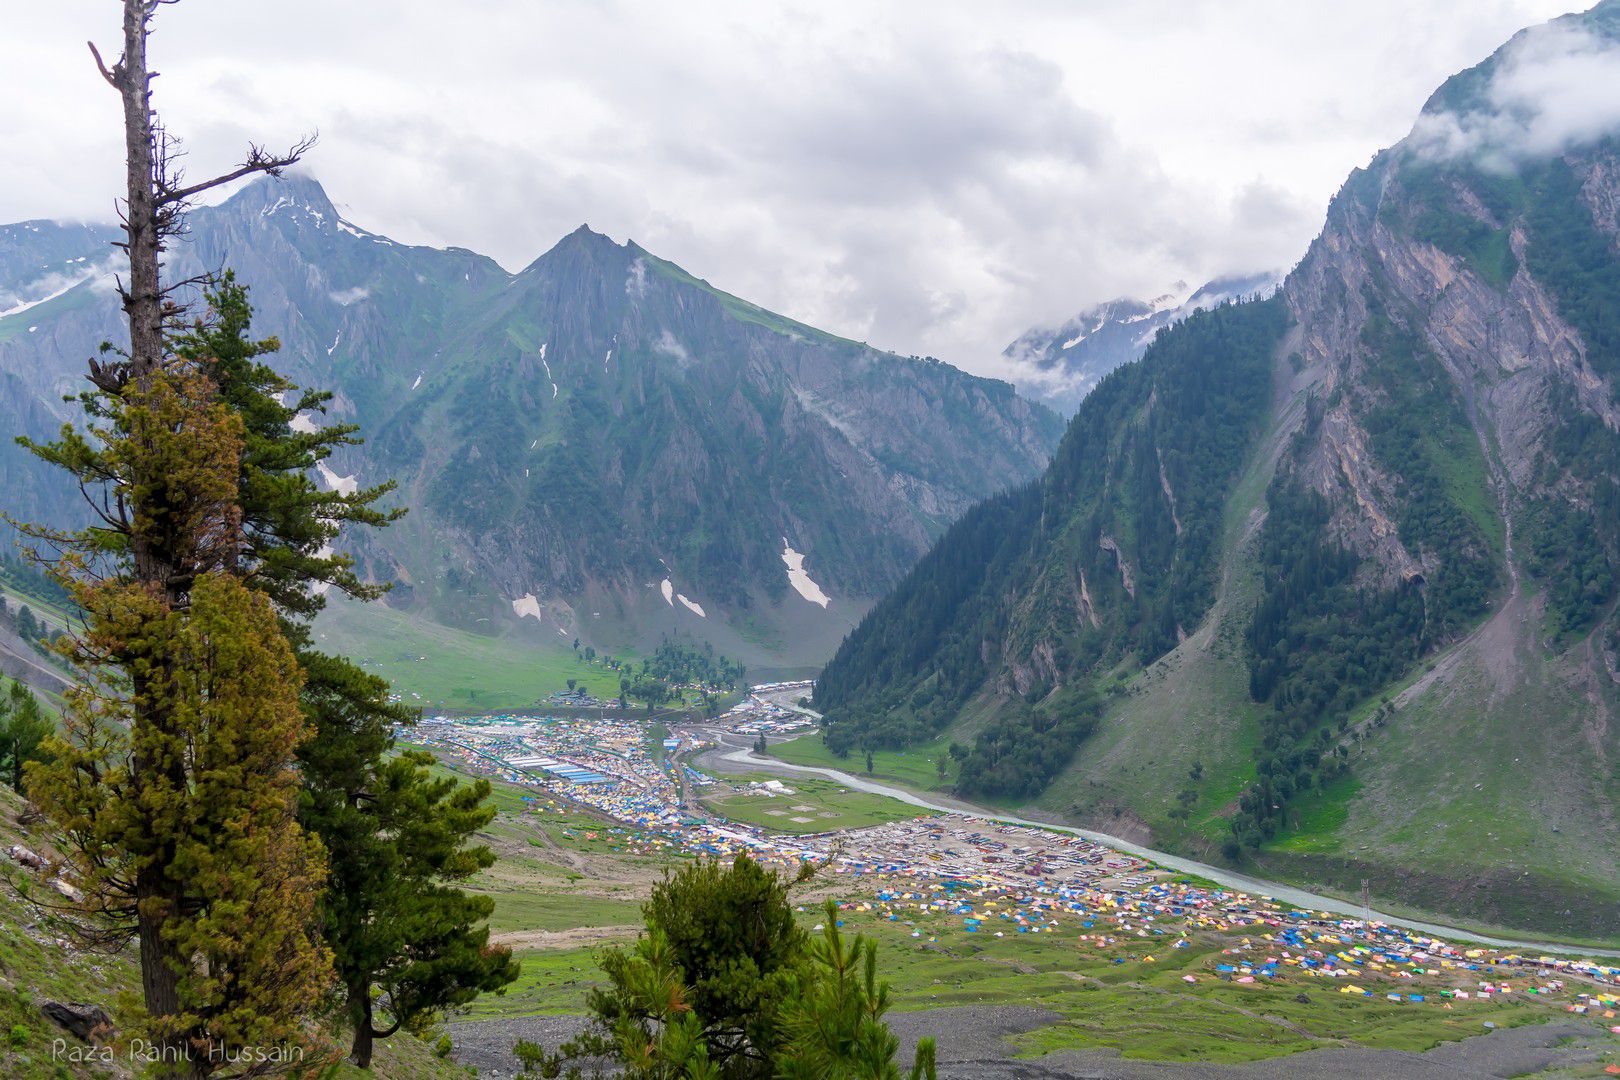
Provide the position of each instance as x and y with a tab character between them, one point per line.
173	784
23	730
397	836
834	1023
161	477
729	934
724	984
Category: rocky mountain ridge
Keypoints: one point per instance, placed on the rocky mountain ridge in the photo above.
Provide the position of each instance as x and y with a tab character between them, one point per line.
583	443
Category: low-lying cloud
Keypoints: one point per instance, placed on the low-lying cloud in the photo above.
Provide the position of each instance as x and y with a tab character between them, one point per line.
350	296
1555	87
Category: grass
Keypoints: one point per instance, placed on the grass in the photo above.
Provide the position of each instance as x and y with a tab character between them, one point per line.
505	798
826	804
49	612
1316	819
538	840
1114	997
914	767
743	310
552	982
441	666
554	909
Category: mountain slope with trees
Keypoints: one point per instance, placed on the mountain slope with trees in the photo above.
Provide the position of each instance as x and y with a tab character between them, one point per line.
1361	624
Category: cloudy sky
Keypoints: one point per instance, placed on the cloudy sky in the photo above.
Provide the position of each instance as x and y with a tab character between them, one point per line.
933	178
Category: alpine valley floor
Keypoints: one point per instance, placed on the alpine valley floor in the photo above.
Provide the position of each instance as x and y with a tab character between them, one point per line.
1034	953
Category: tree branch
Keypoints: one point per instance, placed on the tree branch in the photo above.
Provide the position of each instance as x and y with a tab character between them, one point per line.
258	161
375	1034
112	80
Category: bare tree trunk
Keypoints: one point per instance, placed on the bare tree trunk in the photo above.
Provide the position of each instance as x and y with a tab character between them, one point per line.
143	304
359	994
153	204
143	298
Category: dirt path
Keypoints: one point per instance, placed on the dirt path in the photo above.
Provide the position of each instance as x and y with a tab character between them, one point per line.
572	938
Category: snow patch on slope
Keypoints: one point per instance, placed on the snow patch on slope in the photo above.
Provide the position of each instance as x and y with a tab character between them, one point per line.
667	587
55	285
549	376
343	485
527	604
799	578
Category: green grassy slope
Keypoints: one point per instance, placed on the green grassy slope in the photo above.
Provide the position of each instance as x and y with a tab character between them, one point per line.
1451	809
455	668
1190	708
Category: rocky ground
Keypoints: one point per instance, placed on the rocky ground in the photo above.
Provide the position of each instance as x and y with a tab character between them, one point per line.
973	1046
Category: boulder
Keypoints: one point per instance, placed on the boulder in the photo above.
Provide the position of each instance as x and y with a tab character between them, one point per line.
30	859
85	1021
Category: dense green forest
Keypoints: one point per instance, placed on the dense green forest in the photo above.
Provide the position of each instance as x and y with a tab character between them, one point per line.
1318	646
659	677
1443	503
915	659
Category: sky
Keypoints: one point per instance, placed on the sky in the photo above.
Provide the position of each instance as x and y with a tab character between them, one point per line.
932	176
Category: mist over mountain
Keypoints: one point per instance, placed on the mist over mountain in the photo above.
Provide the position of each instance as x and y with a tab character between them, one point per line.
1061	366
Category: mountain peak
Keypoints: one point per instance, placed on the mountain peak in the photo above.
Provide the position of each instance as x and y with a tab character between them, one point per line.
583	244
268	194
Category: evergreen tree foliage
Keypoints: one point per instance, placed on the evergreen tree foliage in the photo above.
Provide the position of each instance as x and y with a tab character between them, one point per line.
834	1024
725	984
732	939
677	664
205	805
23	731
173	783
398	838
1318	645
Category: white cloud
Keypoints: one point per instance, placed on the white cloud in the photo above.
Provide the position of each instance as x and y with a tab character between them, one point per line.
48	286
635	283
1556	87
350	296
932	176
670	347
